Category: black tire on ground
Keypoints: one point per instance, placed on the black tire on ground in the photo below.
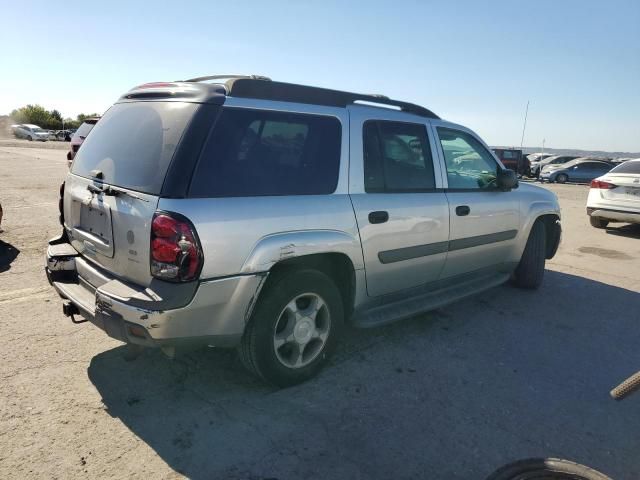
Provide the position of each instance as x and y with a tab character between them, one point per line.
598	222
257	350
562	178
546	468
530	270
30	138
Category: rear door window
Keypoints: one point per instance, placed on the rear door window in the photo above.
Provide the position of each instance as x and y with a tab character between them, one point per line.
397	157
133	143
266	153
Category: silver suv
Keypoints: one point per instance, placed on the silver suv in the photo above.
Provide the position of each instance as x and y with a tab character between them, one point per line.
266	216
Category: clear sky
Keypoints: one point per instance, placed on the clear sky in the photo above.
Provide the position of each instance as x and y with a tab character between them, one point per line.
473	62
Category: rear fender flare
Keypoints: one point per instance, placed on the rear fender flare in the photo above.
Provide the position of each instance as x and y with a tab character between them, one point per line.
286	245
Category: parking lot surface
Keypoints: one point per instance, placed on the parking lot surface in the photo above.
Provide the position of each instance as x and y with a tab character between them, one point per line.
450	394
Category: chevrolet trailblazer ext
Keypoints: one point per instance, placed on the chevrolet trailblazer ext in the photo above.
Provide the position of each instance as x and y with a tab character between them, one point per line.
265	215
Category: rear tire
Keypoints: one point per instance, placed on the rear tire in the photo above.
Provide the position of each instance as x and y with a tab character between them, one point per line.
598	222
551	468
276	365
530	270
562	178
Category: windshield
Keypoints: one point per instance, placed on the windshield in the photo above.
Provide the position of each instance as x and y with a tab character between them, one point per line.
133	144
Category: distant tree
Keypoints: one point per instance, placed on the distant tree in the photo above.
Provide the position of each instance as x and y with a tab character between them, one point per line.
35	114
81	118
55	122
70	124
50	120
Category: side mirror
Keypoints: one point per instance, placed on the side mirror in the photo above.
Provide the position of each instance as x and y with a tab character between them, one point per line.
507	180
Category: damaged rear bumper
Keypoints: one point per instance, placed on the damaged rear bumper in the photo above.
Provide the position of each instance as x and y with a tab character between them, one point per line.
211	312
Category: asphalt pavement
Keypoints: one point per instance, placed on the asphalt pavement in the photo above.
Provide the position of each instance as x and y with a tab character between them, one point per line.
450	394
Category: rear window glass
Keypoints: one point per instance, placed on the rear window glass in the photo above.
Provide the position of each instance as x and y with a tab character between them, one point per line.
264	153
628	167
133	143
84	129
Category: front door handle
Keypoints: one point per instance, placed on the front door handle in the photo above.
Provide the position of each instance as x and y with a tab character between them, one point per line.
463	210
378	217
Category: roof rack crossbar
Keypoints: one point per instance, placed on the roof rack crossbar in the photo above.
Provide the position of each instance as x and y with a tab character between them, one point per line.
231	76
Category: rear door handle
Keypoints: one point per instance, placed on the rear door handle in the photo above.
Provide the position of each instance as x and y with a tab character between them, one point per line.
378	217
463	210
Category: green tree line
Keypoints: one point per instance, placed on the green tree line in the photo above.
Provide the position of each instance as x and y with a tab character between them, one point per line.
47	119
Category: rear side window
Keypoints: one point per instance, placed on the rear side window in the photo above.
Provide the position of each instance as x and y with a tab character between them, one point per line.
265	153
397	157
628	167
133	143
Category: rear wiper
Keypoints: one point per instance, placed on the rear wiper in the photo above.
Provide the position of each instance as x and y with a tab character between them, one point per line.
113	191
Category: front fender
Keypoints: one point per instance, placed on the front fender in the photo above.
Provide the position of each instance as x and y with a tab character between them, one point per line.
282	246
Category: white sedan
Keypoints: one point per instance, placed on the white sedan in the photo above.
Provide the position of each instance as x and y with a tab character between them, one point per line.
615	196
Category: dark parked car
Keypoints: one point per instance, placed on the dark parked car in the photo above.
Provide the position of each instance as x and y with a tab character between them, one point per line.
514	160
581	170
64	135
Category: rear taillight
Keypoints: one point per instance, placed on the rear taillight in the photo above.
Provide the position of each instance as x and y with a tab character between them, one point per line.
602	185
176	254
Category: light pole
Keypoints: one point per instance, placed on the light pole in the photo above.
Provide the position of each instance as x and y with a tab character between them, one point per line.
526	112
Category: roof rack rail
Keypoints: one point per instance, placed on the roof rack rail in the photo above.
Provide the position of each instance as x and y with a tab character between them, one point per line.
230	77
249	87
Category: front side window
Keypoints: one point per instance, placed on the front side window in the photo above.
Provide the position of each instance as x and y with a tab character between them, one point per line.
397	157
469	163
265	153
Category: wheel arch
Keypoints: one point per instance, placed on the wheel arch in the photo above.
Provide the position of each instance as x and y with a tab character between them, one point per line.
549	213
337	254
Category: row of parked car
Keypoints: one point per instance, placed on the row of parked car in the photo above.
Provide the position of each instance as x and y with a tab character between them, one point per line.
556	168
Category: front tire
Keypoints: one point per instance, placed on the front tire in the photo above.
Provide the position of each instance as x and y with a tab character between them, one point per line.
30	138
530	270
546	468
562	178
598	222
294	327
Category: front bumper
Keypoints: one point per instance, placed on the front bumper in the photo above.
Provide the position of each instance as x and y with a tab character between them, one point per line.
212	312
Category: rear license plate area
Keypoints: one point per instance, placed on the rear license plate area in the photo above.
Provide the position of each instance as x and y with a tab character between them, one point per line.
95	219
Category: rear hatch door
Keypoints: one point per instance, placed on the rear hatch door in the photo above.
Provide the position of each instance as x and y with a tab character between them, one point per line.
113	189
